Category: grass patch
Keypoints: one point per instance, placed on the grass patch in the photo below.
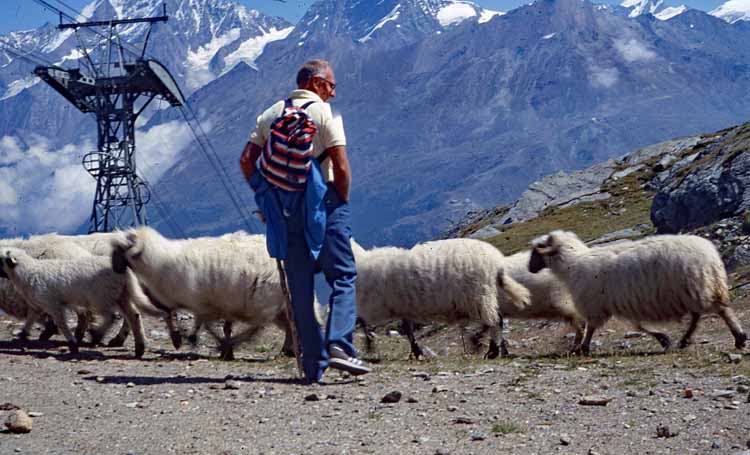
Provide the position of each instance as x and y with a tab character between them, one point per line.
506	427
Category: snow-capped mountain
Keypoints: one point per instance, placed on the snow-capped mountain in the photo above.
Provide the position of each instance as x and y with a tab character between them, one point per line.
733	11
657	8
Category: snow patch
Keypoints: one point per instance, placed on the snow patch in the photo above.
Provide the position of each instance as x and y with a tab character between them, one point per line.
670	12
16	87
603	77
392	16
455	13
57	41
251	49
550	36
488	14
199	61
733	11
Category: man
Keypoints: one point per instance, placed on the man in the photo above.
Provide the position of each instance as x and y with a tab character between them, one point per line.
316	85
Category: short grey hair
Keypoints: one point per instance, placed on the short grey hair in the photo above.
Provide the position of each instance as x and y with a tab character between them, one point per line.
310	70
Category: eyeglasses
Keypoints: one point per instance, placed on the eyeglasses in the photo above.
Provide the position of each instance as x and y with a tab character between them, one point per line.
333	85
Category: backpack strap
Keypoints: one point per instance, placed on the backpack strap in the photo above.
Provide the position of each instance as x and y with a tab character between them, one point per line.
322	157
306	105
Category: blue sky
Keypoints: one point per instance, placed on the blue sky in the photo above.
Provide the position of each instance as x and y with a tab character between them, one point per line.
26	14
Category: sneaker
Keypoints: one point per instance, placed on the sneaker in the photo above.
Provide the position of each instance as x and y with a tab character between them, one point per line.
340	360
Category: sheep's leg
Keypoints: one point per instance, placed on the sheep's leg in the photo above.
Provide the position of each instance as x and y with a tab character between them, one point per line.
369	335
580	328
23	335
98	333
50	329
661	337
174	332
497	349
687	338
197	325
287	349
122	335
740	338
408	327
84	319
58	315
227	348
585	346
133	318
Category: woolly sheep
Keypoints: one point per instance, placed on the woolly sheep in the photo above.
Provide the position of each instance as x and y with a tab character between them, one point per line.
550	300
12	303
452	281
656	279
85	283
230	278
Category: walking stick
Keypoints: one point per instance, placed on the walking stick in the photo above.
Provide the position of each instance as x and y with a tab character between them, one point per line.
289	311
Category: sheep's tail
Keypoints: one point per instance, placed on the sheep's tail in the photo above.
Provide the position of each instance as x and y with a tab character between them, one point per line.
140	298
519	296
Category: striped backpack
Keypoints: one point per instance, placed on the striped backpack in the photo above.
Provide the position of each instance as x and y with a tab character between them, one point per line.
287	155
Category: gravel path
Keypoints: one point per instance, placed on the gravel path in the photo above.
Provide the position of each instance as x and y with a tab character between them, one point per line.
104	402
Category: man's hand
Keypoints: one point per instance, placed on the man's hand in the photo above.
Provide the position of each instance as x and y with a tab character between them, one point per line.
342	176
250	155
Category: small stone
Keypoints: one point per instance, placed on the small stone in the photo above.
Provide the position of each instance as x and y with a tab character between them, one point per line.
35	414
439	389
82	372
130	385
391	397
231	385
477	436
420	374
716	444
412	400
633	334
594	401
663	431
312	397
722	394
442	451
464	420
132	405
689	418
743	388
8	407
734	358
452	408
687	393
631	394
565	440
100	379
19	422
731	407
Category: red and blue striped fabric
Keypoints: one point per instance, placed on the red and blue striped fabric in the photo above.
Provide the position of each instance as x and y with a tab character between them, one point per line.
287	155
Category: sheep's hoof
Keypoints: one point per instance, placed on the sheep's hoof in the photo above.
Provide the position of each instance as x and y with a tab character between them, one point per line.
192	339
684	343
79	334
227	354
664	341
96	337
286	352
740	340
176	340
73	349
24	336
493	352
46	334
139	351
116	342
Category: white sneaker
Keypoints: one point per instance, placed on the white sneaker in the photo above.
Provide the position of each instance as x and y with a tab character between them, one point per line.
340	360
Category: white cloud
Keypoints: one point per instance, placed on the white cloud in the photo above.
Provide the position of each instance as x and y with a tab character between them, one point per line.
603	77
633	50
46	189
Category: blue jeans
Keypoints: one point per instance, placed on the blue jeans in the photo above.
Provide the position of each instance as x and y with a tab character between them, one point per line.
337	264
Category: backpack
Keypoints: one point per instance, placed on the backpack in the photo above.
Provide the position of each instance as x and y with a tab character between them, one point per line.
287	156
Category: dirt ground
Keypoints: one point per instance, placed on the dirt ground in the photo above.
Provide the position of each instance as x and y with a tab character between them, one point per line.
188	402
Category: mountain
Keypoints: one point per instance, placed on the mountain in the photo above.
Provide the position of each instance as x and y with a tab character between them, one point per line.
733	11
657	8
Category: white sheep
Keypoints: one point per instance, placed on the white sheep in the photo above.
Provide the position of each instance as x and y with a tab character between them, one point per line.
11	302
550	299
230	277
451	281
656	279
86	283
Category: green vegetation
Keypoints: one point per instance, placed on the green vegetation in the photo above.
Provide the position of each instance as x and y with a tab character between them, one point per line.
506	427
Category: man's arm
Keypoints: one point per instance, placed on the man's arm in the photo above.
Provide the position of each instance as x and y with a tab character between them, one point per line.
342	176
250	155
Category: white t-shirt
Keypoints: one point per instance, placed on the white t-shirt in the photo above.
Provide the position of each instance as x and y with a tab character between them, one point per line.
330	128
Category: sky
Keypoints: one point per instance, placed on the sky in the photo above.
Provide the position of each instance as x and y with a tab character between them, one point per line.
26	14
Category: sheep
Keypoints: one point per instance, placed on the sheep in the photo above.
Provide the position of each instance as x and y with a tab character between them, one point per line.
86	283
656	279
39	247
452	281
550	300
230	278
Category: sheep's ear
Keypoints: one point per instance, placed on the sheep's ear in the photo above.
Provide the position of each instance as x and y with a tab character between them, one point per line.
11	261
119	262
537	262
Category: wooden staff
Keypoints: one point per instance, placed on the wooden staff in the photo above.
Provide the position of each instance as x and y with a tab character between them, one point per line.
289	310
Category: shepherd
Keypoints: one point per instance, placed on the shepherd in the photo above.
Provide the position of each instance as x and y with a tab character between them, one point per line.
296	163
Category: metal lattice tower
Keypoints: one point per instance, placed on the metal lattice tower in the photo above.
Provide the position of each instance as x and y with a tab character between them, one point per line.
116	90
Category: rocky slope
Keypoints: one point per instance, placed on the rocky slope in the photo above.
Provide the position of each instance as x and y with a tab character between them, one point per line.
690	184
